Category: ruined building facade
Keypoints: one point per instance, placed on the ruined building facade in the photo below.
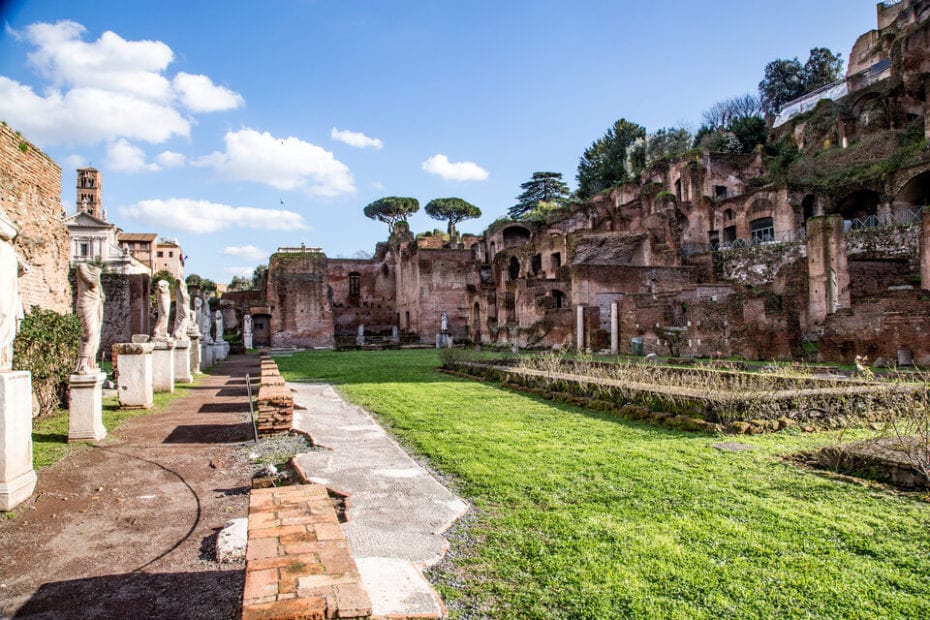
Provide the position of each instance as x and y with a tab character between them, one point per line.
816	245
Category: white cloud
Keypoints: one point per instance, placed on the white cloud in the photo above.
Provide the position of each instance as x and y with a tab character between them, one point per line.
239	271
377	185
282	163
102	90
355	138
73	162
121	155
248	252
170	159
201	216
199	94
440	165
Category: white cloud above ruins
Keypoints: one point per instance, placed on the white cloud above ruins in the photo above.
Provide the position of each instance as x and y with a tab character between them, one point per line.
288	164
203	216
356	139
440	165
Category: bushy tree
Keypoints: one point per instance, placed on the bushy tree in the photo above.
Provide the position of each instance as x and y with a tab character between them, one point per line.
786	80
239	283
667	142
453	211
724	113
392	209
164	274
47	346
543	187
258	277
750	131
604	163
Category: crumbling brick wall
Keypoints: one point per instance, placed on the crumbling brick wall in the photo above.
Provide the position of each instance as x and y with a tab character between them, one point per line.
299	300
30	194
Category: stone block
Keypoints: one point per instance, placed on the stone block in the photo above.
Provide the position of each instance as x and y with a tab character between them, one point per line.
17	477
182	362
195	355
206	354
163	366
134	385
85	413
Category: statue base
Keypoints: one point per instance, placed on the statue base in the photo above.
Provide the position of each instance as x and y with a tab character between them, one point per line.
195	355
85	415
134	385
17	477
163	366
182	362
206	354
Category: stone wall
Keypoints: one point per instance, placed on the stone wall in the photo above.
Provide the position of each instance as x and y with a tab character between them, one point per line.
374	304
30	193
299	300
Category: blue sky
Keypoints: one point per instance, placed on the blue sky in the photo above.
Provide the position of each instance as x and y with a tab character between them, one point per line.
238	127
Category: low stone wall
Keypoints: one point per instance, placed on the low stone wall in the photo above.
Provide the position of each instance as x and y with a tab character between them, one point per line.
297	560
275	402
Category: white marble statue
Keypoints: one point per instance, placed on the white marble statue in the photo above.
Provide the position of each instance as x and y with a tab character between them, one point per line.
11	305
163	305
182	311
218	319
194	329
444	322
206	323
90	311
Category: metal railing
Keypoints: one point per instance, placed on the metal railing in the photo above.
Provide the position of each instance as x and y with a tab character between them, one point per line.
905	217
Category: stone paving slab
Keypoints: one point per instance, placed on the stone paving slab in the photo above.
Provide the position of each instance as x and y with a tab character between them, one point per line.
396	511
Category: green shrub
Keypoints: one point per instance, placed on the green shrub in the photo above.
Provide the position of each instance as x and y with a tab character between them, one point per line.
47	346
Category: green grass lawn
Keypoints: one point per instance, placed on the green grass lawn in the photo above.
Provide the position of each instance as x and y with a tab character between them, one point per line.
584	515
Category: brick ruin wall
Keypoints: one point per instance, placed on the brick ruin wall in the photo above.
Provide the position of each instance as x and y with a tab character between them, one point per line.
298	297
30	194
440	286
375	304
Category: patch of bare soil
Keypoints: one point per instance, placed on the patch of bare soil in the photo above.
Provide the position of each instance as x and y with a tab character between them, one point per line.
888	460
127	528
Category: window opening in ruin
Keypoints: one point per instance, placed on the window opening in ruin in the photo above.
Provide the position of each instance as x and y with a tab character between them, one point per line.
713	237
83	250
355	284
762	230
678	189
859	209
515	235
407	319
560	299
161	254
493	251
556	263
536	264
728	215
729	234
807	209
720	192
513	269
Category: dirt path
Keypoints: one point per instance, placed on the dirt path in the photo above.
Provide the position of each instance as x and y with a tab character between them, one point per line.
126	529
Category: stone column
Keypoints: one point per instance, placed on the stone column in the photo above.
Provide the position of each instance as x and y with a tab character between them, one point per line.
195	355
182	361
17	477
827	268
925	248
614	328
134	385
360	339
85	413
206	353
579	329
163	366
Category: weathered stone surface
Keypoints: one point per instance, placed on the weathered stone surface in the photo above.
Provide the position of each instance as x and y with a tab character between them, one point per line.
134	382
85	411
163	366
232	540
17	477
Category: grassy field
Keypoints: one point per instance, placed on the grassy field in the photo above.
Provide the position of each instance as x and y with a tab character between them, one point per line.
583	515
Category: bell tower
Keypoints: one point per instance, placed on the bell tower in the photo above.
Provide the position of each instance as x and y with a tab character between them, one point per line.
89	191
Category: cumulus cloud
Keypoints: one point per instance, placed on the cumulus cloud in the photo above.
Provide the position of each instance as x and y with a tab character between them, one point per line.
73	162
102	90
201	216
170	159
355	138
283	163
121	155
248	252
199	94
440	165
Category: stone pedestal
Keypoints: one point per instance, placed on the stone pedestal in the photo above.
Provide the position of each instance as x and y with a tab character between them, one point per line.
182	362
225	349
195	355
247	340
579	329
217	352
206	354
85	415
924	244
163	366
134	385
614	328
17	477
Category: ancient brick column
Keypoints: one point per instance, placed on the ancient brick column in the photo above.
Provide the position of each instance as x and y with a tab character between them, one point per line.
925	248
827	269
